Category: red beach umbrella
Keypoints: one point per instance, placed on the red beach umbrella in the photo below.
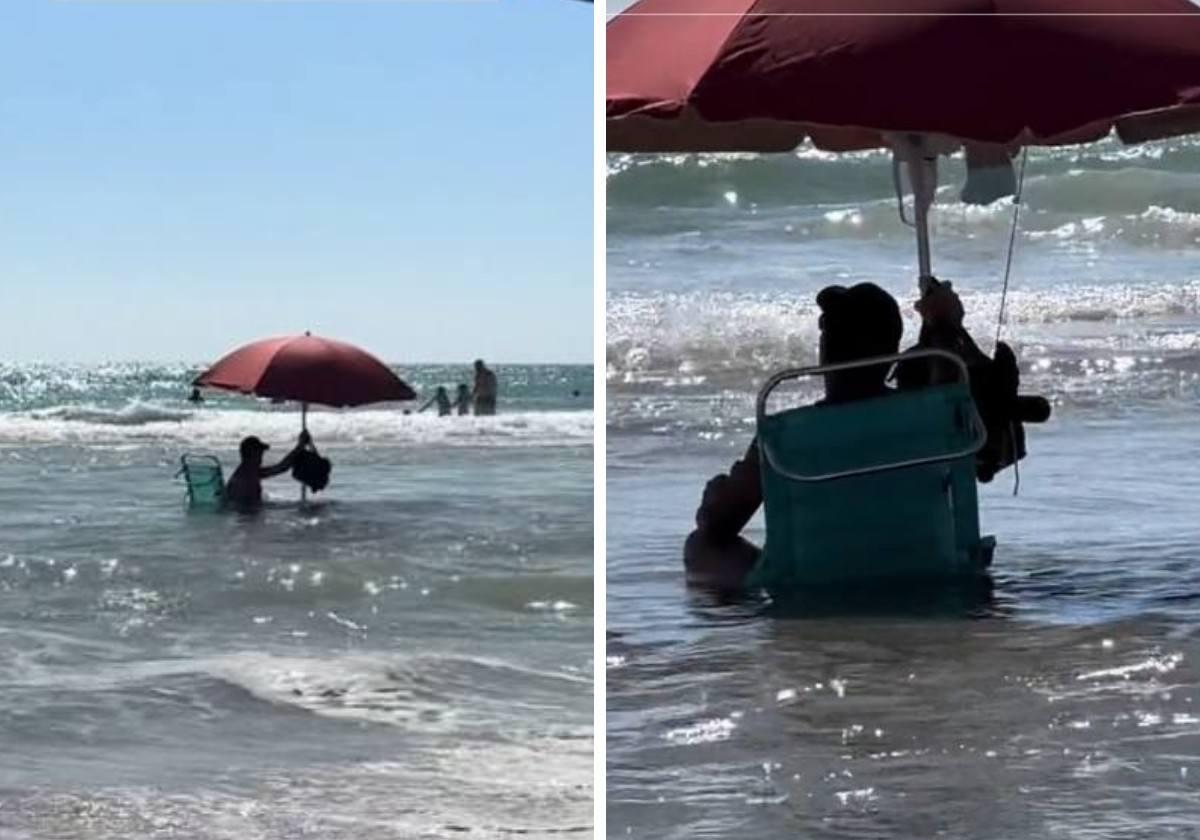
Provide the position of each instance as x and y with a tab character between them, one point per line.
306	369
847	71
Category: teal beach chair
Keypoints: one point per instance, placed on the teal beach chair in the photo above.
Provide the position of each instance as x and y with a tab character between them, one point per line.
871	491
205	481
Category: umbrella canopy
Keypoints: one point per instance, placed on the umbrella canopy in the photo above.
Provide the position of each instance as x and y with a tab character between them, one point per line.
762	75
307	369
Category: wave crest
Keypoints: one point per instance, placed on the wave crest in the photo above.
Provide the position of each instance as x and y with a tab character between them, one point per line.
136	413
139	423
717	339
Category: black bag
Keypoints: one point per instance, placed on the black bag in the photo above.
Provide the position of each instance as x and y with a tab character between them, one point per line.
994	386
311	470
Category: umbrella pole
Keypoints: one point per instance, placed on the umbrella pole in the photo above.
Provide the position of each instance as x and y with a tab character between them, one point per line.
303	427
922	171
920	158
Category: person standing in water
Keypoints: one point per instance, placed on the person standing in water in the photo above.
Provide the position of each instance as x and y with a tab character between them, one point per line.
244	491
443	402
485	390
462	400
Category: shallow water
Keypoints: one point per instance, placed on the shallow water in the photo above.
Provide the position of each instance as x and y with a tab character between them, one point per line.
407	656
1065	701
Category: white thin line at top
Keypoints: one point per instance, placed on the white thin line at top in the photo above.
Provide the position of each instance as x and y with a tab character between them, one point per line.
1195	14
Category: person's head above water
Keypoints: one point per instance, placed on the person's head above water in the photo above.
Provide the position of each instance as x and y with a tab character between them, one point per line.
857	322
252	449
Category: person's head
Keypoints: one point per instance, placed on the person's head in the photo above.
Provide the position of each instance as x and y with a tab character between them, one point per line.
462	388
441	391
252	449
857	322
479	365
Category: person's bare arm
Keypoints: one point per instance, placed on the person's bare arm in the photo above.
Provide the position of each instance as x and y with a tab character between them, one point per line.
730	500
288	459
280	468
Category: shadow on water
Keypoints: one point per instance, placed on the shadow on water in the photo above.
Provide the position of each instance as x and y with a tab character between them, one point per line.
716	571
912	599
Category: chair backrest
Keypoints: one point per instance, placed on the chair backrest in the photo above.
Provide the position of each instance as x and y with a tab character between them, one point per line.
871	490
205	481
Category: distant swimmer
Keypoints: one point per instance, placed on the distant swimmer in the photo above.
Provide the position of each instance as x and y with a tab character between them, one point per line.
462	400
195	397
244	490
442	398
485	390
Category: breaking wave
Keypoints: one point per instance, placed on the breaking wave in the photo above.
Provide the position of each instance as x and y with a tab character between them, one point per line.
140	423
134	414
1104	177
1078	344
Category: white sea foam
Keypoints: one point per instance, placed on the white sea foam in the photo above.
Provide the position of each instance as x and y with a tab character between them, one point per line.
1149	666
846	797
403	690
552	606
713	338
134	414
704	732
140	423
536	787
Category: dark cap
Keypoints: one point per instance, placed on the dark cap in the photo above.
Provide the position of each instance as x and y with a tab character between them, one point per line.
252	445
865	314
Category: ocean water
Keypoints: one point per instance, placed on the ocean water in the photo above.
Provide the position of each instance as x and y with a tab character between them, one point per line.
407	656
1065	701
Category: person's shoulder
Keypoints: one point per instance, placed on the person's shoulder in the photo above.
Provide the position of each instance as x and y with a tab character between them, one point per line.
240	475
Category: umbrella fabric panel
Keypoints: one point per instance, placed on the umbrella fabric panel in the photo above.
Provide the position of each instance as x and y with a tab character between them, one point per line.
317	370
241	369
1001	71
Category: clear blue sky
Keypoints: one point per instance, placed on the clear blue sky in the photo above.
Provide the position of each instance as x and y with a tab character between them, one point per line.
179	177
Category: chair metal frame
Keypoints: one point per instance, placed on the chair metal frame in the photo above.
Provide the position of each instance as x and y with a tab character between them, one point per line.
977	443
